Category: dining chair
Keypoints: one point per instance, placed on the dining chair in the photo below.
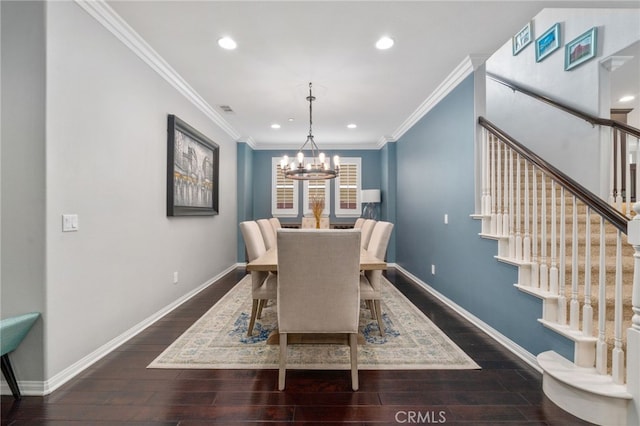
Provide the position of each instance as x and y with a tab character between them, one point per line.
318	288
310	223
371	283
263	284
268	233
275	222
359	222
366	229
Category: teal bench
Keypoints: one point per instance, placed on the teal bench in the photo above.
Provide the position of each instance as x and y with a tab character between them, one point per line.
12	331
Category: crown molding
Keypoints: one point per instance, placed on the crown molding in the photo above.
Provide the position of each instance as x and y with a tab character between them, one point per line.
109	19
325	146
464	69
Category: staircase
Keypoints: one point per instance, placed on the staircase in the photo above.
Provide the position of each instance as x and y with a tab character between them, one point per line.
572	251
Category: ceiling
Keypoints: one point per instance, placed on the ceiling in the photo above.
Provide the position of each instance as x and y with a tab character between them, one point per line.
282	46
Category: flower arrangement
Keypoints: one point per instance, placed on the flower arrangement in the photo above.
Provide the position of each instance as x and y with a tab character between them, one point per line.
317	207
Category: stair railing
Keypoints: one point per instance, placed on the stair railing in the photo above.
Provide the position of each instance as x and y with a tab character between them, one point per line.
624	179
548	220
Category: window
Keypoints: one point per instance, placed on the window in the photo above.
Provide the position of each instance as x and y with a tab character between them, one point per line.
348	185
284	192
317	189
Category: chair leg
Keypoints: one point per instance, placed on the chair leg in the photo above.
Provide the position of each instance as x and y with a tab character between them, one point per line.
283	361
262	304
379	316
353	346
252	321
7	371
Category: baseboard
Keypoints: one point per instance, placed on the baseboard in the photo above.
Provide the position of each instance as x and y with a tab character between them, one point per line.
509	344
36	388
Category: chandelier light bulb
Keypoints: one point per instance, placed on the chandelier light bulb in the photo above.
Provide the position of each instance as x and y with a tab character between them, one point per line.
321	157
336	161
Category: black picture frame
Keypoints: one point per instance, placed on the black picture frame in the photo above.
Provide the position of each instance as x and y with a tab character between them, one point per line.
192	171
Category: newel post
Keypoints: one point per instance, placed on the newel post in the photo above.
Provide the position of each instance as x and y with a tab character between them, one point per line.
633	333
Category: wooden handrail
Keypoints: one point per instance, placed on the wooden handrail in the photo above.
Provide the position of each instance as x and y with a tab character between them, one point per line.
594	202
580	114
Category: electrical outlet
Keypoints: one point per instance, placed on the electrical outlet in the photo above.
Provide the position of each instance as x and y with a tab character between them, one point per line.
433	269
175	277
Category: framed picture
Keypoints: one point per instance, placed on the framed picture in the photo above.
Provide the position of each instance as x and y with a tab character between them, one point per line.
192	171
522	39
581	49
548	42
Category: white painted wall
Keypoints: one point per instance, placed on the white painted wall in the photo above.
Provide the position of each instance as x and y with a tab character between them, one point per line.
103	122
22	145
580	151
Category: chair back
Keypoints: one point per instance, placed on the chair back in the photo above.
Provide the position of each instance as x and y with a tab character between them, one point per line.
380	239
318	281
253	240
310	223
359	222
275	222
367	228
268	233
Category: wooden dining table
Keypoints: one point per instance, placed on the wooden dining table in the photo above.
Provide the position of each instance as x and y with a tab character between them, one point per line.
269	262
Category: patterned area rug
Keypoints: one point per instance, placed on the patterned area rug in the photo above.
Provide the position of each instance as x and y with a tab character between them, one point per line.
219	340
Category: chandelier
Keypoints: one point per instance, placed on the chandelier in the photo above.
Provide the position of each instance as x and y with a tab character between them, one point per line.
316	167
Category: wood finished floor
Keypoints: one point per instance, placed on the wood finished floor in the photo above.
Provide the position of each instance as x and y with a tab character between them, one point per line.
120	390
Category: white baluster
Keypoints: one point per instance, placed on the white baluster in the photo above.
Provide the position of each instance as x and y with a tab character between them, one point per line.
535	271
508	217
544	267
612	177
587	309
526	249
562	278
518	211
601	347
617	358
574	305
499	206
492	144
553	272
633	333
627	177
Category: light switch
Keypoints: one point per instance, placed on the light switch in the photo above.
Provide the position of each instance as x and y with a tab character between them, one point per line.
69	222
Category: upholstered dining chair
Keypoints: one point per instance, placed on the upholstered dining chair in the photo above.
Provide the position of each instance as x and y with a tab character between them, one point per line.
359	222
275	222
268	233
310	223
263	284
318	288
366	229
371	281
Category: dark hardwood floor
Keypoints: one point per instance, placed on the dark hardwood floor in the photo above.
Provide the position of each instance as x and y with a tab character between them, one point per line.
119	389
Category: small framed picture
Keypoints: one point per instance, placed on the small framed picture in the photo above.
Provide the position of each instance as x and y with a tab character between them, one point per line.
581	49
548	42
192	171
522	39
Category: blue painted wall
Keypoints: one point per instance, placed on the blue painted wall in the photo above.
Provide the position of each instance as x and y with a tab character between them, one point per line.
436	177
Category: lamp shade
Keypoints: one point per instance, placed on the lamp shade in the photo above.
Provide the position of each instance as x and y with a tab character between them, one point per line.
370	196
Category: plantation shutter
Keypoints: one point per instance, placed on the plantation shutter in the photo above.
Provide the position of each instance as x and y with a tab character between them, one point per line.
348	184
284	193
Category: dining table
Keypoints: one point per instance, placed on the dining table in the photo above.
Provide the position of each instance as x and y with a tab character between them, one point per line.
268	261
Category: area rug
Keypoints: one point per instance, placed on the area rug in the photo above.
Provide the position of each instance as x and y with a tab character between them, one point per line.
219	340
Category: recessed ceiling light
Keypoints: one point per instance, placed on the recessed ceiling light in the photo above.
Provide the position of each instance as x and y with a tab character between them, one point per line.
626	98
352	126
227	43
275	126
290	119
384	43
